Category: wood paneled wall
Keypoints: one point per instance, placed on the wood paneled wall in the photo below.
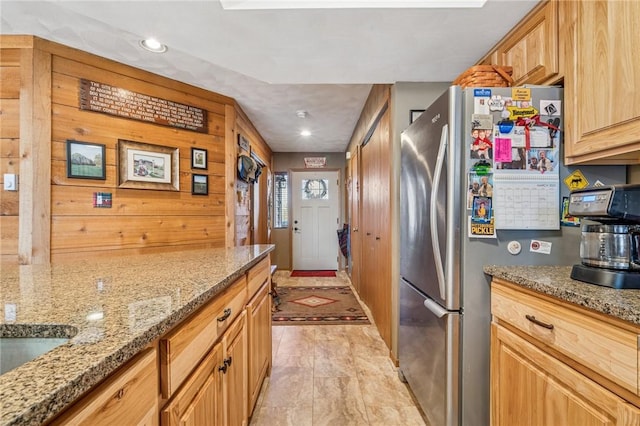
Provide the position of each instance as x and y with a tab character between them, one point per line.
9	151
252	225
140	220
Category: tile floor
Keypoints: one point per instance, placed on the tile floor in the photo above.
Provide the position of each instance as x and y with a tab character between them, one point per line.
334	375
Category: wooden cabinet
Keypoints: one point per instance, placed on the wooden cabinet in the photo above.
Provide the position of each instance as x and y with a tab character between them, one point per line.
128	397
530	387
531	48
199	400
259	341
375	226
602	81
181	349
553	363
216	392
590	46
225	386
235	375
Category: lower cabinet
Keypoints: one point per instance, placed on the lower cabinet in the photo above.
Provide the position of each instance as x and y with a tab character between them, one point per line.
199	400
215	393
235	375
259	321
530	387
128	397
553	363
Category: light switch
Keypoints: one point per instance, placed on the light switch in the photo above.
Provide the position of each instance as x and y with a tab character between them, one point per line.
10	182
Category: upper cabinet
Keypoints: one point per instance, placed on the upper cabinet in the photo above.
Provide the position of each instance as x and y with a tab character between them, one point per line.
592	47
600	46
531	48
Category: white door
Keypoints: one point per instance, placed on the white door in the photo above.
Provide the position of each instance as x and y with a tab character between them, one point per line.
315	220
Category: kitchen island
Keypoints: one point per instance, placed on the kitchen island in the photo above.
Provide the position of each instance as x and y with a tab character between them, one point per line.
562	351
110	310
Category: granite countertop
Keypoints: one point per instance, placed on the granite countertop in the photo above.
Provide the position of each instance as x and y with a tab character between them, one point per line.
555	281
110	309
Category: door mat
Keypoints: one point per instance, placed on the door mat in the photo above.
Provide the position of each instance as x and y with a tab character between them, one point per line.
297	273
318	305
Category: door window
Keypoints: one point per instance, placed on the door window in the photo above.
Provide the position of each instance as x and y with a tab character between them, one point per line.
315	189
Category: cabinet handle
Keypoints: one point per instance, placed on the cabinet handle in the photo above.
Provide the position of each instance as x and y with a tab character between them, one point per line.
223	368
377	238
227	314
538	322
368	233
227	361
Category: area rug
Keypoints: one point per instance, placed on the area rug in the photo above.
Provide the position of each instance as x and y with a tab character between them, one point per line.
297	273
318	305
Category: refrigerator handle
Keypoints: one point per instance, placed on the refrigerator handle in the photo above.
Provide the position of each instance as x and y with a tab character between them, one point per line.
436	309
435	242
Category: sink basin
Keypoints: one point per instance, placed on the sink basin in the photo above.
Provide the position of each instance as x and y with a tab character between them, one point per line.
15	351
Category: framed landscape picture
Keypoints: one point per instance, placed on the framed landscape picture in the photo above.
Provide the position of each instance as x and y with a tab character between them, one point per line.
148	166
200	184
85	160
199	158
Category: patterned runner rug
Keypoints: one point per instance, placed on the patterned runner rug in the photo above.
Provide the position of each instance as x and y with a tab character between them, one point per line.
318	305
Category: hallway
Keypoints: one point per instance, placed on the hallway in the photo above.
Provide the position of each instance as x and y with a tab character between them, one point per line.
334	375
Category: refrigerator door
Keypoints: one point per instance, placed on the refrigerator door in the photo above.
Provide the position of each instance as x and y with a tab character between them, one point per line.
423	149
429	355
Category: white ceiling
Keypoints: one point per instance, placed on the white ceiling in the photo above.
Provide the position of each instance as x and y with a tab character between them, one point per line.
276	62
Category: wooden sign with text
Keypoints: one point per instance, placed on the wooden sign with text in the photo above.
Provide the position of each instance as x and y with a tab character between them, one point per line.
123	103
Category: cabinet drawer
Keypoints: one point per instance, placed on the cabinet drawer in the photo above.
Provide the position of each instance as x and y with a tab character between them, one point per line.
602	347
258	275
128	397
183	348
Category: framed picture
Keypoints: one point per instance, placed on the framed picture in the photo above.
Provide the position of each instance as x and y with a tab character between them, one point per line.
200	184
85	160
198	158
148	166
414	114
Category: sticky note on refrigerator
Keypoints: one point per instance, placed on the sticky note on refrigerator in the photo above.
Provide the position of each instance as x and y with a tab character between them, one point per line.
502	150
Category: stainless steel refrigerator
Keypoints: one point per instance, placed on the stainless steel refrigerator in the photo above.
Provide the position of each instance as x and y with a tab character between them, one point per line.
444	325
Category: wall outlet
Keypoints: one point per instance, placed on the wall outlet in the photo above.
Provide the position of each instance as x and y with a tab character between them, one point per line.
10	182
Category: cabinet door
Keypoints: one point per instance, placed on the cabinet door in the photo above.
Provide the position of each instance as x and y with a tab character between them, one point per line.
235	377
602	99
259	339
532	47
531	388
199	400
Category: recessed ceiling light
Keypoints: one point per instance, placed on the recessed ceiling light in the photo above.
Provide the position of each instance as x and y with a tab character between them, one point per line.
153	45
305	133
348	4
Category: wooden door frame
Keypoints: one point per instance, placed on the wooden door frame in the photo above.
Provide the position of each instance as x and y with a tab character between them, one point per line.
262	196
355	233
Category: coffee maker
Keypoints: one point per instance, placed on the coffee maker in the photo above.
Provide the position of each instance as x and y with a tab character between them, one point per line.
610	241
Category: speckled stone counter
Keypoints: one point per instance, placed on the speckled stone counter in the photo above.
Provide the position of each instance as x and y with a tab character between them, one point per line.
555	281
110	309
